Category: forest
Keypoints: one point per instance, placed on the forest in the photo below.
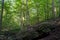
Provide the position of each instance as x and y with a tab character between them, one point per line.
28	19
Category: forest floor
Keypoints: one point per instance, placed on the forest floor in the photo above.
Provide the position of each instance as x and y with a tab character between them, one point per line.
55	34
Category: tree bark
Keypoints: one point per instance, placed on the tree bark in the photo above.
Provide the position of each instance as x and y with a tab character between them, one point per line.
2	7
53	10
27	14
59	8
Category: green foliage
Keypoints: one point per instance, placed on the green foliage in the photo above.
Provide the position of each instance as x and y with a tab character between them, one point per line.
17	14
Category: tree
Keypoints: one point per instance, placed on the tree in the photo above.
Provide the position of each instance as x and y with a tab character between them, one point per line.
59	8
47	11
53	9
27	13
37	4
37	7
2	7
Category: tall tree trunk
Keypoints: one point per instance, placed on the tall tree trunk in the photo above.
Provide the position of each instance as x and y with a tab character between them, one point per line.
59	8
2	7
53	10
37	5
27	14
21	16
47	10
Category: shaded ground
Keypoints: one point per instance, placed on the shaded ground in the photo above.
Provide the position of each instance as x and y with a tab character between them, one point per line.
55	34
47	35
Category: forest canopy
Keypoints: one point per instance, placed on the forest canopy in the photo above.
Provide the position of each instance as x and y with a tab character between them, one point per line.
18	14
